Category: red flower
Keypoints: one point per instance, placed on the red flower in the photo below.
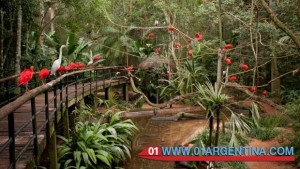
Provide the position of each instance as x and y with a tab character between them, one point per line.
171	29
151	35
44	73
228	46
264	92
228	61
177	44
61	69
129	69
198	36
96	58
244	66
232	78
190	52
252	89
157	50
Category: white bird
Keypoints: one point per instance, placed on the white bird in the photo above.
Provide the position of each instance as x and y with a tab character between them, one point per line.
57	62
90	63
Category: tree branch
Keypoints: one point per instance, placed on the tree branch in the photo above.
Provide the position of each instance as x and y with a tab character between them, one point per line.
253	96
161	105
281	25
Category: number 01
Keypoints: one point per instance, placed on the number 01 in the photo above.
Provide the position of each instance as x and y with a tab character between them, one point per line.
153	151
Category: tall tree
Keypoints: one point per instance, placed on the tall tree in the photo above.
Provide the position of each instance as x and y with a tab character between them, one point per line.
18	38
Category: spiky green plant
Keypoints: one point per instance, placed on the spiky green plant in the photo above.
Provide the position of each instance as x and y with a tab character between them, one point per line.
214	102
98	144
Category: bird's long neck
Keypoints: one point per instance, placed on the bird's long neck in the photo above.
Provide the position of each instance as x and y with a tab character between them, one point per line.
60	53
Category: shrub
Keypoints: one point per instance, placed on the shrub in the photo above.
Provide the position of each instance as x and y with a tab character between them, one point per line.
292	110
263	133
97	145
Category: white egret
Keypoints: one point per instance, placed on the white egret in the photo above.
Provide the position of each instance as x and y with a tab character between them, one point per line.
57	62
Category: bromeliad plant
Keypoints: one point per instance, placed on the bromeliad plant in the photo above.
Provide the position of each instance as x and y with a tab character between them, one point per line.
214	102
97	145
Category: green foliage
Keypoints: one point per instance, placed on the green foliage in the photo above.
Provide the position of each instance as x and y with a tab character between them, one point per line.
209	98
202	140
84	112
97	144
288	95
189	75
292	110
263	133
267	128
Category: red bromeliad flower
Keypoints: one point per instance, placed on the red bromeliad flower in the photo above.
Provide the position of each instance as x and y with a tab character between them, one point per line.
171	29
244	66
190	52
151	35
96	58
177	44
252	89
198	36
228	46
228	61
157	50
232	78
61	69
129	69
264	92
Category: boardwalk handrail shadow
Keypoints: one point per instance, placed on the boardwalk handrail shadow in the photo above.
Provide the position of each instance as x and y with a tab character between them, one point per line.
28	119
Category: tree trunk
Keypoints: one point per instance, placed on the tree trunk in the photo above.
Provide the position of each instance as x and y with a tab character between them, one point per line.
275	85
298	9
211	128
218	127
2	59
52	15
220	52
42	21
18	39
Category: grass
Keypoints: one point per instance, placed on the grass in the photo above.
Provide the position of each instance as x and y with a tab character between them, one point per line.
267	129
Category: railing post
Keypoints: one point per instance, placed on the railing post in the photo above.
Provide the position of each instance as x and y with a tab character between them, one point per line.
48	134
103	80
55	106
11	134
61	101
90	82
82	85
34	130
96	78
75	87
7	90
66	118
125	91
106	91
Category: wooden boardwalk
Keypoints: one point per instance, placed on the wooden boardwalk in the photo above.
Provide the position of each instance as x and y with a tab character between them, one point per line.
23	115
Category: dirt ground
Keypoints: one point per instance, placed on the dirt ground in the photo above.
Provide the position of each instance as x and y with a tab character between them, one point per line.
268	165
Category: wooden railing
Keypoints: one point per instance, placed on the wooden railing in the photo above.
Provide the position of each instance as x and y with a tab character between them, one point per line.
45	106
